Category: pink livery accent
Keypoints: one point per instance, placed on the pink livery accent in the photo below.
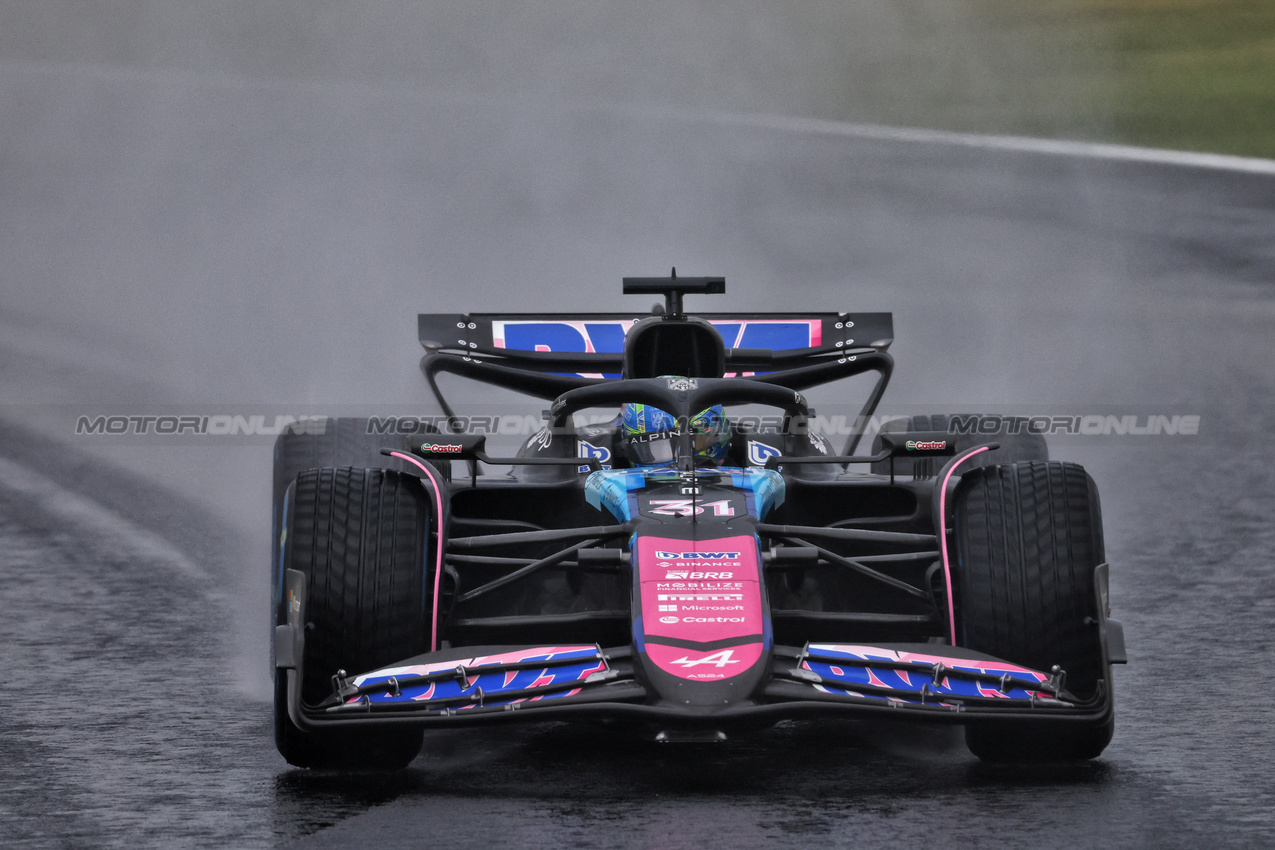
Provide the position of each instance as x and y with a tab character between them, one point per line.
868	653
947	564
475	664
438	561
704	665
701	591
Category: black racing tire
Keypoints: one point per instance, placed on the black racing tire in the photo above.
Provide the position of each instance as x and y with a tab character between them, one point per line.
1028	537
345	441
362	539
1014	448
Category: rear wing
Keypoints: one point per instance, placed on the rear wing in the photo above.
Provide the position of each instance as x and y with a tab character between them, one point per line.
592	344
544	355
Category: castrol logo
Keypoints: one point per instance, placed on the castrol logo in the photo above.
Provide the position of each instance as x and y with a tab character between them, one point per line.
441	448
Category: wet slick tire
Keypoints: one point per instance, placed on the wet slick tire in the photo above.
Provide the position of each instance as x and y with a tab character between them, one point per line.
360	536
1028	536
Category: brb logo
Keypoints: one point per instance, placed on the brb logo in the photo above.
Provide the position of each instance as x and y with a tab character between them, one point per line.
688	575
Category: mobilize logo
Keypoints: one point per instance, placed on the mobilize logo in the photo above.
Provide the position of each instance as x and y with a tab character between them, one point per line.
441	448
687	574
717	659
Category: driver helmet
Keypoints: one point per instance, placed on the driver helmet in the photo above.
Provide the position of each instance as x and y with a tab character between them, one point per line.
648	434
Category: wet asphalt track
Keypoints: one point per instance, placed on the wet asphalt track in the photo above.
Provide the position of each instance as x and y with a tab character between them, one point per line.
196	240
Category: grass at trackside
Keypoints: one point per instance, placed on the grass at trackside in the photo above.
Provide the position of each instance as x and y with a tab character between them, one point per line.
1182	74
1200	75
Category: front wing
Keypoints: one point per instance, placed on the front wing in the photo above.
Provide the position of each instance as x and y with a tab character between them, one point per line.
473	685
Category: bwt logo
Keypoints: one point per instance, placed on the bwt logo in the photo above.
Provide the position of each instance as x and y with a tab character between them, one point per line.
759	453
607	335
587	450
697	556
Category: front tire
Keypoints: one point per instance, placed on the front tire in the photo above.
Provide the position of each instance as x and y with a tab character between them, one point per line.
1028	537
344	441
361	537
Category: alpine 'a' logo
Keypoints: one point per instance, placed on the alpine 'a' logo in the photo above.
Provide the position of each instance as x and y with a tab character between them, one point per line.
717	659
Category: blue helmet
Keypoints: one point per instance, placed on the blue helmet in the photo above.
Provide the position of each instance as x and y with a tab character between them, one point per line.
647	434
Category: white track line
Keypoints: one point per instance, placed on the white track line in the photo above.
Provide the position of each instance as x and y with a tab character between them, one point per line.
1019	144
814	126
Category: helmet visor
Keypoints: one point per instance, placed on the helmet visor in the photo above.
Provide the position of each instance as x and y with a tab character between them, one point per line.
652	449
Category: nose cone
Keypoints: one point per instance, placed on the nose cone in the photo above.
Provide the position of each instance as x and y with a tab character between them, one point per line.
704	633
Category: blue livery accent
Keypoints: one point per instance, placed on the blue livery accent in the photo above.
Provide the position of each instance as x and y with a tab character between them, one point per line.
608	335
283	540
777	336
766	486
905	677
612	489
563	337
484	683
609	490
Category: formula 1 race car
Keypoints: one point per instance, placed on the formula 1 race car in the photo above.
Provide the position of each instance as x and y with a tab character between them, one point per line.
677	568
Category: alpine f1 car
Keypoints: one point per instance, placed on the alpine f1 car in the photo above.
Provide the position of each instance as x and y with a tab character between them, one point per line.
674	568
